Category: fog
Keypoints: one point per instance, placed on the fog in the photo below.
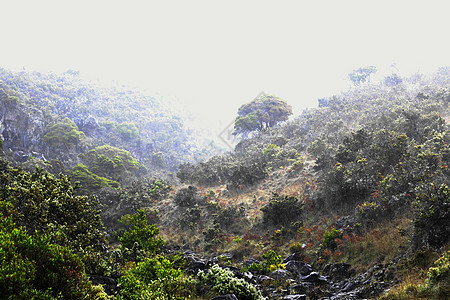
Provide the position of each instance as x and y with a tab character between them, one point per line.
209	57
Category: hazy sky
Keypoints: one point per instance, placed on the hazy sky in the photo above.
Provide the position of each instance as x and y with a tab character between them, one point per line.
216	55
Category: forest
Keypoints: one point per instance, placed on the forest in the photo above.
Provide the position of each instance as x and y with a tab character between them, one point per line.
106	193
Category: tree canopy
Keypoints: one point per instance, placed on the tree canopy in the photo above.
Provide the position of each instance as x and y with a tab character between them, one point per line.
263	112
362	74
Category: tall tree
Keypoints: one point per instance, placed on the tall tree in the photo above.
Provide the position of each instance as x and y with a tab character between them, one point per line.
362	74
263	112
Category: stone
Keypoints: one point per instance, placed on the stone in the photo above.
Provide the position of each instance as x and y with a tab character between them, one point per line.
338	271
314	277
279	274
226	297
294	297
298	267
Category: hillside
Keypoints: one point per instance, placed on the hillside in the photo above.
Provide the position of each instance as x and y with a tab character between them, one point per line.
349	200
35	106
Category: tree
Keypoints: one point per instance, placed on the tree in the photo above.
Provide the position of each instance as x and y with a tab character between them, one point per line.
140	232
111	162
362	74
264	112
43	203
34	268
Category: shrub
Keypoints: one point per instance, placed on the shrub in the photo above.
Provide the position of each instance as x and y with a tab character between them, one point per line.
159	189
48	205
282	210
128	131
223	282
33	268
329	238
90	182
140	232
64	133
155	278
431	215
441	271
111	162
187	197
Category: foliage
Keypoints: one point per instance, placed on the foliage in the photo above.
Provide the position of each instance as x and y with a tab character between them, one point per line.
329	238
42	203
141	233
362	74
116	115
187	197
264	112
159	189
224	282
90	182
282	210
441	271
111	162
129	131
155	278
34	268
64	133
432	213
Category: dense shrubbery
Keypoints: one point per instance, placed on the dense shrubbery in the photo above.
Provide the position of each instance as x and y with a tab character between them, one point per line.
43	203
34	268
223	282
139	234
282	210
186	197
111	162
155	278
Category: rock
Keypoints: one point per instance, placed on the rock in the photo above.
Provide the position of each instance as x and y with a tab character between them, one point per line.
109	284
196	266
226	297
248	276
298	267
263	278
279	274
338	271
298	288
314	277
224	256
250	261
294	256
294	297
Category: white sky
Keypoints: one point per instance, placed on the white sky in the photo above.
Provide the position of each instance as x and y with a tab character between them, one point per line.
216	55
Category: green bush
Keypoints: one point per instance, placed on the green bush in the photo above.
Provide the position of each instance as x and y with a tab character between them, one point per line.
186	197
90	182
64	133
272	261
441	271
111	162
431	215
155	278
223	282
140	232
159	189
329	238
48	205
282	210
128	131
34	268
